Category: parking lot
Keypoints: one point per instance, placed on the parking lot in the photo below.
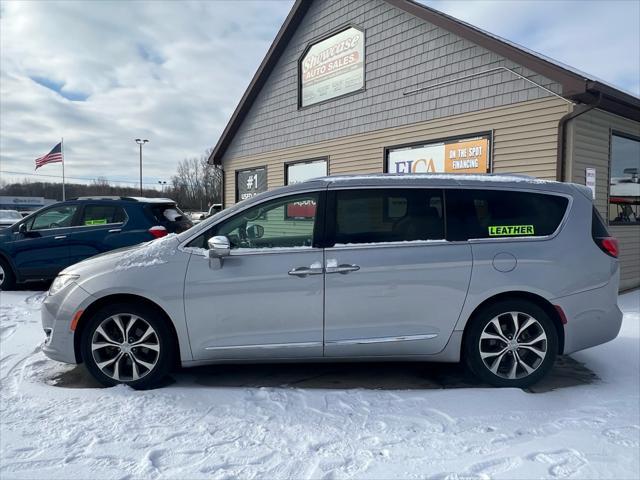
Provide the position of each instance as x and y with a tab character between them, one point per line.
364	420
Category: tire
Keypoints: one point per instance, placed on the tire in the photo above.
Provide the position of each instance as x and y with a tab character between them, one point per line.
491	355
141	367
7	277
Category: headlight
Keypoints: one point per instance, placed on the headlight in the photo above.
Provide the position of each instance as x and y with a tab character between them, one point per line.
61	281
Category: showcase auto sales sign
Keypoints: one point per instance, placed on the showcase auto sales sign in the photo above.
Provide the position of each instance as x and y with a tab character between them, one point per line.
333	67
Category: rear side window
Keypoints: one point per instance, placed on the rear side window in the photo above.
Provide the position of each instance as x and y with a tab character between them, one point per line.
393	215
166	213
598	229
502	213
102	215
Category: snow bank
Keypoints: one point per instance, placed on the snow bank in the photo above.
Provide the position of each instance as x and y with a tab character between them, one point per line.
299	422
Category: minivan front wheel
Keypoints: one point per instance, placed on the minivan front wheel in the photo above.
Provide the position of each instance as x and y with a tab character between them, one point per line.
511	344
7	278
127	344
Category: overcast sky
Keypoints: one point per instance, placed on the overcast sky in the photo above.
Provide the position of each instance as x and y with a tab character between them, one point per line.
103	73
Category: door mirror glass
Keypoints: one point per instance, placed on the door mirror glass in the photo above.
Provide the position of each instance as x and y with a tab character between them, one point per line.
219	247
255	231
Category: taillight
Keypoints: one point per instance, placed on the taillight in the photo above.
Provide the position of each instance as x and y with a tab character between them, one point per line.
608	245
158	231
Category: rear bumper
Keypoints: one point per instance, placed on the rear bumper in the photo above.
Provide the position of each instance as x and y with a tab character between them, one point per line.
593	317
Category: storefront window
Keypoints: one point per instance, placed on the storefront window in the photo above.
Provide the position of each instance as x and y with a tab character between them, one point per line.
299	172
624	184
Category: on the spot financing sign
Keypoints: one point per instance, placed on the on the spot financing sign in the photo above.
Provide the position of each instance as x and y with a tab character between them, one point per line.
456	156
333	67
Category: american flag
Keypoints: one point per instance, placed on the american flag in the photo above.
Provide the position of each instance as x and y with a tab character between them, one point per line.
54	156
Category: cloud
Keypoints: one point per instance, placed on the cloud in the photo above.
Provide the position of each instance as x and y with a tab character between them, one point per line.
105	73
601	38
101	74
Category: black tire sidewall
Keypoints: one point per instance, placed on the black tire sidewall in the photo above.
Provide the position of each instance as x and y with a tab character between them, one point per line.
151	316
477	325
9	281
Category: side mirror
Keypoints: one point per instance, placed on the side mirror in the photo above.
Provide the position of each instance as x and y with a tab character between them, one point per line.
22	228
219	247
255	231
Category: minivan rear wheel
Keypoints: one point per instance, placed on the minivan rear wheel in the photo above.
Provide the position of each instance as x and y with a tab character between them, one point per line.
129	344
512	343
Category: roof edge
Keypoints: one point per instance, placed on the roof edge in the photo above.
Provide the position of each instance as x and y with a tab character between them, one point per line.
575	87
287	29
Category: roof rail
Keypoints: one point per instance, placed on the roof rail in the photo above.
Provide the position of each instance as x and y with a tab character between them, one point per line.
101	197
517	175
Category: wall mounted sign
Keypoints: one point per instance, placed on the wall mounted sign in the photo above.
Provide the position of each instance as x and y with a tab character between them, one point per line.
332	67
468	155
250	182
590	180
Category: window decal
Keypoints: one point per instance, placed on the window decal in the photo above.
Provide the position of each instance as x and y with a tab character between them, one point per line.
100	221
510	230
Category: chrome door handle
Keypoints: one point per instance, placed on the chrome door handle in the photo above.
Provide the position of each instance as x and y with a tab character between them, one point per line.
343	268
59	237
304	271
115	230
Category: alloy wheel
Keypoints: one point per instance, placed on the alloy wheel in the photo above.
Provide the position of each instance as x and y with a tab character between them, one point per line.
2	274
125	347
513	345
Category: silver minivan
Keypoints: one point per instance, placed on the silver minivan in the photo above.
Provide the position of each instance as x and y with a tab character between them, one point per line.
502	272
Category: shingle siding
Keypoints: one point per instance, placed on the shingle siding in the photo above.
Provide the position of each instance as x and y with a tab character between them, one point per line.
524	141
402	53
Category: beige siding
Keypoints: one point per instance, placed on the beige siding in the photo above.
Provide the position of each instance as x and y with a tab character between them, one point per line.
588	142
525	141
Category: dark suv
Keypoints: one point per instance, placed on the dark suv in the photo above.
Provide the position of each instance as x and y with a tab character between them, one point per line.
45	242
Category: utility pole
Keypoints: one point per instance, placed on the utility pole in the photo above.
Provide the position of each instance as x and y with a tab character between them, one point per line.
141	143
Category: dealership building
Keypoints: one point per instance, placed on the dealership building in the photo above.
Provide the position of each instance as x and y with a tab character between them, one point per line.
351	87
24	204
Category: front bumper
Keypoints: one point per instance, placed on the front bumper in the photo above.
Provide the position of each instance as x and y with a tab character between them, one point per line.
56	314
593	317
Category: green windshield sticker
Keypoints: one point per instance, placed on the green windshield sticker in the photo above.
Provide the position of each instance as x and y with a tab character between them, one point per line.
101	221
510	230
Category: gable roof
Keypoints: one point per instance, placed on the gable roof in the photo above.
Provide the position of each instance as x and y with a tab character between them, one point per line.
576	85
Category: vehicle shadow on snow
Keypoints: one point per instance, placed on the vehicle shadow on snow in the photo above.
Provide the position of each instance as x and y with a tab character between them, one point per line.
567	372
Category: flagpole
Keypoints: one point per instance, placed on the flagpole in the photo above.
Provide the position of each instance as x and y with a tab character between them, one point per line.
62	150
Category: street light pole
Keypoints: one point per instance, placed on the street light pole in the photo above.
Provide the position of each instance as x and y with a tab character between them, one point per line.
162	184
141	143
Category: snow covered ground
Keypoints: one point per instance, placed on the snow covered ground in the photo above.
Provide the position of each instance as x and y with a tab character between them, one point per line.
317	421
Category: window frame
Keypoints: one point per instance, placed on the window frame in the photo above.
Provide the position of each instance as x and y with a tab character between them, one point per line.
286	179
318	229
331	219
532	238
83	208
628	136
74	219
